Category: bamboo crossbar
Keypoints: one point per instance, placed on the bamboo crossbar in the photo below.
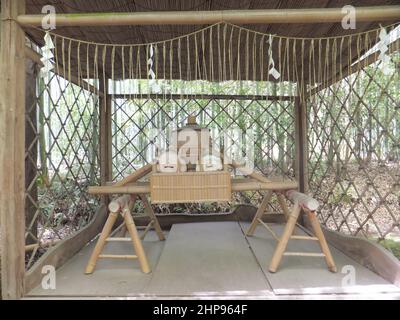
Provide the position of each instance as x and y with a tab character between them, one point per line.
304	238
268	229
117	239
118	256
263	16
201	97
237	186
304	254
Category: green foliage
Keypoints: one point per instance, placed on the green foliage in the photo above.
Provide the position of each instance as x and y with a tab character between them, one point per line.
392	245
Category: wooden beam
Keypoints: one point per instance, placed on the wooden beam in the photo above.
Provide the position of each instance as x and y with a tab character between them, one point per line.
138	174
34	56
12	150
59	70
262	16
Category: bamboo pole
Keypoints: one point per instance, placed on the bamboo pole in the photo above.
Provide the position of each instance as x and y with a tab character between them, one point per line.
12	150
205	97
237	186
138	174
261	16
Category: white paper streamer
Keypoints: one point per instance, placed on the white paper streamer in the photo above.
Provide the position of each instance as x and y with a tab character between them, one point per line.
271	68
154	87
383	47
47	56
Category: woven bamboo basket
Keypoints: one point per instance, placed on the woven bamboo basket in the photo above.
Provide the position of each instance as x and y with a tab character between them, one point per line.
213	186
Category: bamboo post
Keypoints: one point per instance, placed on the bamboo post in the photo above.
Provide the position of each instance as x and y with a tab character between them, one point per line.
12	150
101	242
152	216
105	135
322	241
283	205
137	243
138	174
259	213
301	143
284	239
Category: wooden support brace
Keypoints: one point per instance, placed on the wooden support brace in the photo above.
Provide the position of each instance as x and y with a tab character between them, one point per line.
112	217
137	243
154	221
283	241
260	212
322	241
121	205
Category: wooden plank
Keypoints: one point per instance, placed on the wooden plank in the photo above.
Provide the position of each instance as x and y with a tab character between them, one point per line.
367	253
306	275
204	258
66	249
12	151
263	16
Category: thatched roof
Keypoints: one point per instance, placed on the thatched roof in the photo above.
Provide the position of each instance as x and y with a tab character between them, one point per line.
146	34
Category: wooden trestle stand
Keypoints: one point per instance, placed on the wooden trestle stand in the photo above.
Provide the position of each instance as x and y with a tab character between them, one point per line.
184	187
301	201
123	206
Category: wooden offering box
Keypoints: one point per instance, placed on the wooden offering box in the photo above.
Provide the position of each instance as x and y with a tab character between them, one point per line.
188	187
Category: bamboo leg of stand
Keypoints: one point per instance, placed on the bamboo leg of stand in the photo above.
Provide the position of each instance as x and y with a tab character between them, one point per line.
287	232
153	217
112	217
282	203
137	244
322	241
259	213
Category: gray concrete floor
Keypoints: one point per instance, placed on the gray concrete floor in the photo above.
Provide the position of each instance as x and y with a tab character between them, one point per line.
215	259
